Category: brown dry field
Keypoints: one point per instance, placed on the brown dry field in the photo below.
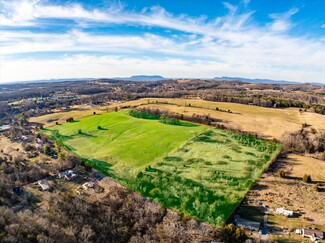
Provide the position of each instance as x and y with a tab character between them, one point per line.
293	194
268	122
10	148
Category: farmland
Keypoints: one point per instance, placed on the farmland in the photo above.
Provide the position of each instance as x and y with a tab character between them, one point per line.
196	170
267	122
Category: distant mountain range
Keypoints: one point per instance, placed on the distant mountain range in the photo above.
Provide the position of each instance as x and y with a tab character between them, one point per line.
139	78
136	78
49	80
262	81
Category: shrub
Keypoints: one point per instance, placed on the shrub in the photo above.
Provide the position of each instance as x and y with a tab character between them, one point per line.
28	147
94	113
47	150
62	156
281	174
221	162
18	159
79	131
306	178
195	160
70	119
170	121
143	115
99	128
316	188
248	168
231	233
173	158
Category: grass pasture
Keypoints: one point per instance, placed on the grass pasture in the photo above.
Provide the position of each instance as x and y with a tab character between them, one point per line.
196	170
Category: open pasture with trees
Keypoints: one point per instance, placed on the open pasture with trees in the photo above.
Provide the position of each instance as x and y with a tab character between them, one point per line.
196	170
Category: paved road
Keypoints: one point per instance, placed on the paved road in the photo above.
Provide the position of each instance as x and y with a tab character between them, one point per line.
265	229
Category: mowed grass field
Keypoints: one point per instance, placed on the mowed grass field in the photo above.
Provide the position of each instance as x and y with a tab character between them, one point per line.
123	139
196	170
78	111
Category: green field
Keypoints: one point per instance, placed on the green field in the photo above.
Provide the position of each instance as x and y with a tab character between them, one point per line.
196	170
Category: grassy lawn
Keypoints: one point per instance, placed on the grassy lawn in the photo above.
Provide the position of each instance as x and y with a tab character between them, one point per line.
123	140
196	170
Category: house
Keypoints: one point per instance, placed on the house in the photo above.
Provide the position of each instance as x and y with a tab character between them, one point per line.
298	231
88	185
4	128
248	224
313	234
39	147
284	212
80	191
68	175
44	185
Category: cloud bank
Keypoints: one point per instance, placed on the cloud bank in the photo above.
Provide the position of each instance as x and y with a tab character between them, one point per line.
41	40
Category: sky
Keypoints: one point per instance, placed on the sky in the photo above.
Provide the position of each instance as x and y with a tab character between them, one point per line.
271	39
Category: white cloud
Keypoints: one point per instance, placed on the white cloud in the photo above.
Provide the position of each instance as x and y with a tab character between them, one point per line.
15	15
27	42
282	21
229	45
112	66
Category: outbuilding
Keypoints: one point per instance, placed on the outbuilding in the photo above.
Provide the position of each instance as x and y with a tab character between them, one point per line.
248	224
284	212
313	234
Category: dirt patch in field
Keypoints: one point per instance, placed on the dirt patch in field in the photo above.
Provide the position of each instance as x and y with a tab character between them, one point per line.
292	193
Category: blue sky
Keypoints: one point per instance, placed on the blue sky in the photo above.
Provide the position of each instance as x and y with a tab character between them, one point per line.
274	39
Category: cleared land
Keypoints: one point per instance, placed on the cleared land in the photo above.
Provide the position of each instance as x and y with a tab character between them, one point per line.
77	112
196	170
291	193
268	122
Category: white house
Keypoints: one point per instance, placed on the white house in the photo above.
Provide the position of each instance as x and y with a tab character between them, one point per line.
68	175
44	184
298	231
4	128
88	185
284	212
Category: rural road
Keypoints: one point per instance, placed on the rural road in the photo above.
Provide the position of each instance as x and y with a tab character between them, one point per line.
265	229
